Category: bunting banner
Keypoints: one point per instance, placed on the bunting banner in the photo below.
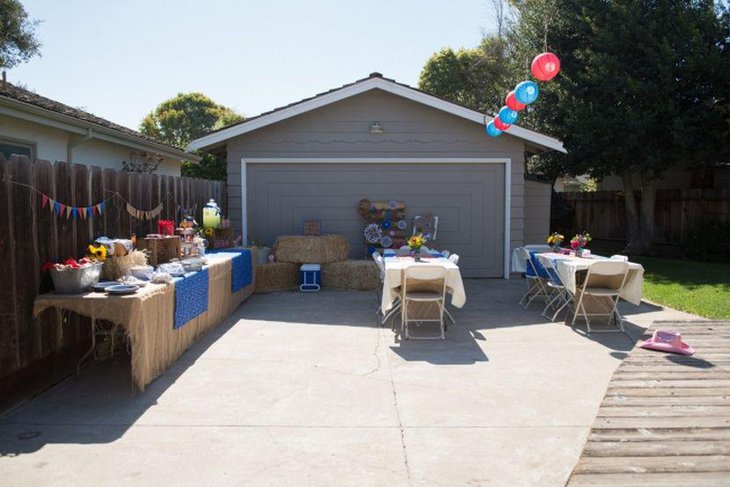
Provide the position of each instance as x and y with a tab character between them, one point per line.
144	215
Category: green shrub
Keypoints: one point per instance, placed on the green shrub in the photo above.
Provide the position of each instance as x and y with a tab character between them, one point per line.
709	242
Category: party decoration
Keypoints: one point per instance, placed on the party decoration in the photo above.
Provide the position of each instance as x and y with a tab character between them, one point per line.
386	242
492	130
500	124
373	233
402	224
386	224
371	249
526	92
507	115
545	66
512	102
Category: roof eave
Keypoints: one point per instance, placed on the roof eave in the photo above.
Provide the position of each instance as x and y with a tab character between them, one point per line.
219	137
50	118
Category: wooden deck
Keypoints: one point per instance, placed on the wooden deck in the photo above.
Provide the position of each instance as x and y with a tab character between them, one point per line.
665	419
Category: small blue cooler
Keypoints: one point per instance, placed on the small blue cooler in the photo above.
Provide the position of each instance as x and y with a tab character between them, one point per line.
310	276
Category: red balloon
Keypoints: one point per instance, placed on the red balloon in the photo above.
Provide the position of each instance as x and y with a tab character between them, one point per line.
545	66
512	102
500	124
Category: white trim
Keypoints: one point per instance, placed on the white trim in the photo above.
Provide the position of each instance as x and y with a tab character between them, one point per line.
356	89
507	216
376	160
507	162
244	205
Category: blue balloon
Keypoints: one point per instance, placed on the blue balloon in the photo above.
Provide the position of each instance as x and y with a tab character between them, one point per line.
526	92
507	115
492	130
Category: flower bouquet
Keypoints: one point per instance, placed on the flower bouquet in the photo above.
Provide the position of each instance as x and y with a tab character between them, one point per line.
415	243
554	240
579	242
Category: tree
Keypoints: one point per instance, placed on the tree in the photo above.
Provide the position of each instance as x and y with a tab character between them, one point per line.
17	34
644	86
475	78
185	117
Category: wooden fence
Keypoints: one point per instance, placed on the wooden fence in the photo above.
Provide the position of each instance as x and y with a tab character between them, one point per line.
678	212
37	352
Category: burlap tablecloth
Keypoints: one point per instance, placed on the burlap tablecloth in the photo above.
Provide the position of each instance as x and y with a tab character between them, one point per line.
147	317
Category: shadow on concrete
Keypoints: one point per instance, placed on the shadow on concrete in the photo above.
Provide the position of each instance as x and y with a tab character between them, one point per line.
97	407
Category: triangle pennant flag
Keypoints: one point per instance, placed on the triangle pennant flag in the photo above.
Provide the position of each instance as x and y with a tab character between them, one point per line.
82	211
61	209
99	208
68	212
44	200
75	212
90	211
51	205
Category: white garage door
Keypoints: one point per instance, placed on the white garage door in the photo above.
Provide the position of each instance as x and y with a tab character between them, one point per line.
467	198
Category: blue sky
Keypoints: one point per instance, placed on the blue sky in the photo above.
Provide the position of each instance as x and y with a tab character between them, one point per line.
120	59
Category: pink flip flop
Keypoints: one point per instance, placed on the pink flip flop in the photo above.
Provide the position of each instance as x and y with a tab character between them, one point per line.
667	341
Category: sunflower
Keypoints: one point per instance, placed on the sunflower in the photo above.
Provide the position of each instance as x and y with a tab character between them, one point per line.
209	232
97	252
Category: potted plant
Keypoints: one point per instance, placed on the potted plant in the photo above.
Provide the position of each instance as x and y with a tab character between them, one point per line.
414	244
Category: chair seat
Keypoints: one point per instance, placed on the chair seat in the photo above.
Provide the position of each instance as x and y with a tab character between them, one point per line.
423	296
555	285
601	291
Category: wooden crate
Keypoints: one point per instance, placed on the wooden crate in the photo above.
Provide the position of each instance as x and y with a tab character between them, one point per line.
160	250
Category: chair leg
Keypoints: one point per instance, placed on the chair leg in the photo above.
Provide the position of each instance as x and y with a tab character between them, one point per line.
448	315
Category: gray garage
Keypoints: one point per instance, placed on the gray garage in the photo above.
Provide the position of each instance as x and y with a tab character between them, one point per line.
381	140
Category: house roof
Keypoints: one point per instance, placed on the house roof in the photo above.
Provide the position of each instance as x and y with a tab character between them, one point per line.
16	101
374	81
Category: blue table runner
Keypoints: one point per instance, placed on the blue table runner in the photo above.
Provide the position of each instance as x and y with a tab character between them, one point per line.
241	267
191	296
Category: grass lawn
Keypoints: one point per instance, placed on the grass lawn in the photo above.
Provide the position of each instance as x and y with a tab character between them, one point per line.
695	287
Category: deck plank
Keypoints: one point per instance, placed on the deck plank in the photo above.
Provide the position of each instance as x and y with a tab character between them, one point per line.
665	419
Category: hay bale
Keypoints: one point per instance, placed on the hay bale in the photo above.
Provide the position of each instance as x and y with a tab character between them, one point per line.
276	276
116	267
362	275
311	250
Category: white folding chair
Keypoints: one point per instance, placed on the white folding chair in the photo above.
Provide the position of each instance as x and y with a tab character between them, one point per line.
560	297
604	280
536	283
423	284
454	259
381	267
620	257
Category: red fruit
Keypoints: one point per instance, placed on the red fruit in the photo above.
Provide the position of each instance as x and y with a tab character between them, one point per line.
72	263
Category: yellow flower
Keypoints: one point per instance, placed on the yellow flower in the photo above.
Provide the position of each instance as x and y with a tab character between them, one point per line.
97	253
209	232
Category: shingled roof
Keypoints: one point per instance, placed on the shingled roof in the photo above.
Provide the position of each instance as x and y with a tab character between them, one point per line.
8	91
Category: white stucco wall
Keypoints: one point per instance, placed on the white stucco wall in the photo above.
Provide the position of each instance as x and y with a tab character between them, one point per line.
52	144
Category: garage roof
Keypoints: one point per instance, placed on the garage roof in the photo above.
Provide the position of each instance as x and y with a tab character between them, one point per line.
373	82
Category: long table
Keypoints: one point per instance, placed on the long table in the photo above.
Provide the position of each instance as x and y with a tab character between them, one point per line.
148	316
393	279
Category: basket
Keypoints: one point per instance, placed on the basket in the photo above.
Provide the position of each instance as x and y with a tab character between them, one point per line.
75	281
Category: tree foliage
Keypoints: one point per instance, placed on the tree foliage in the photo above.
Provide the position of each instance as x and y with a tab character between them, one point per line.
185	117
18	42
475	78
644	86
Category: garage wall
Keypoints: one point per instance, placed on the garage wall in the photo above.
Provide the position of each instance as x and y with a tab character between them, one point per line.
468	198
410	130
537	211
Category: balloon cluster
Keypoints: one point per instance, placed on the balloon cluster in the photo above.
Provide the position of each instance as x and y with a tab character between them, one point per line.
544	67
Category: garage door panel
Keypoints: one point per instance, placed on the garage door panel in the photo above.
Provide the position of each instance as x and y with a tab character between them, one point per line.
467	198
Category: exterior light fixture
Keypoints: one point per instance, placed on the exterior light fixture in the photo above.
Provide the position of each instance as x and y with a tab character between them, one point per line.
376	128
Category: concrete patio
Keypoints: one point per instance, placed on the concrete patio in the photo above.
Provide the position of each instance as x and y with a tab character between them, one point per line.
306	389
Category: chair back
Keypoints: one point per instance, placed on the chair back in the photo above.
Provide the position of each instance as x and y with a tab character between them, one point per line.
538	270
424	278
454	259
607	274
552	272
381	264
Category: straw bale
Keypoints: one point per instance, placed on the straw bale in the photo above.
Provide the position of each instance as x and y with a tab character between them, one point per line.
361	275
116	267
276	276
311	250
